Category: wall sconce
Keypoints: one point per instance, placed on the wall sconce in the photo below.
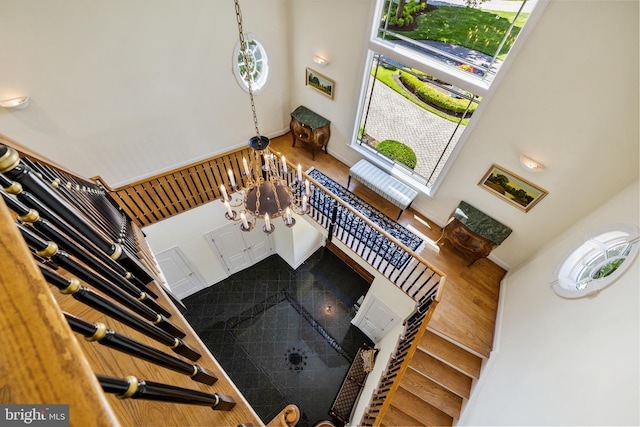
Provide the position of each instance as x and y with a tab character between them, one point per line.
15	103
531	165
320	61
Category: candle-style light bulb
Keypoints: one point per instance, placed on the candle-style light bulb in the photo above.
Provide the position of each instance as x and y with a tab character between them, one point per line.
267	222
246	166
284	165
299	172
228	206
307	189
287	213
304	203
243	217
232	178
223	190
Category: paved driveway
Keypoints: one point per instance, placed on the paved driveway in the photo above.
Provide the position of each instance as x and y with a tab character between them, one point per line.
392	116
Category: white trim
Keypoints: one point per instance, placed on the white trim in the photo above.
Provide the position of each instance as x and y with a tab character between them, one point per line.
564	281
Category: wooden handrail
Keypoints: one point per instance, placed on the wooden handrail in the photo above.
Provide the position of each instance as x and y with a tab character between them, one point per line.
288	417
388	395
41	361
382	231
171	171
192	185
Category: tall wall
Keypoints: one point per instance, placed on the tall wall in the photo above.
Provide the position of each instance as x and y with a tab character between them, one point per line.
565	361
558	104
126	89
129	88
569	99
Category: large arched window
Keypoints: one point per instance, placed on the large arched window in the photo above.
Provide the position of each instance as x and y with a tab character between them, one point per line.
597	261
256	64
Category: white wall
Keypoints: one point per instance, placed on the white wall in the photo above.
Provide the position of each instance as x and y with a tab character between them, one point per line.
187	231
296	244
560	361
557	103
570	101
335	30
129	88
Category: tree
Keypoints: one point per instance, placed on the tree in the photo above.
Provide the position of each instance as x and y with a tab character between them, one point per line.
400	9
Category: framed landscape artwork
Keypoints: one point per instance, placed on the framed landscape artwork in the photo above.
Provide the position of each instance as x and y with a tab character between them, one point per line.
511	188
321	83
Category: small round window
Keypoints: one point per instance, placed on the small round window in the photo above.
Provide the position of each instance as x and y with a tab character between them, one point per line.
597	262
255	65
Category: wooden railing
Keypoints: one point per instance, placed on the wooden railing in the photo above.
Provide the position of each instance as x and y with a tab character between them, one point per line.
388	255
64	233
407	344
165	195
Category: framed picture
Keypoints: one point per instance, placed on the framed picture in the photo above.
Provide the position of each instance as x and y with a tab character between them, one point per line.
322	84
511	188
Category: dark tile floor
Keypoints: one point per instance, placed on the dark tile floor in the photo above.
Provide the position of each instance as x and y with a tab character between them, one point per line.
283	335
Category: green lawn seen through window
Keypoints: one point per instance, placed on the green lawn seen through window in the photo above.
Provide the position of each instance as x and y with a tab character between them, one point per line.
481	30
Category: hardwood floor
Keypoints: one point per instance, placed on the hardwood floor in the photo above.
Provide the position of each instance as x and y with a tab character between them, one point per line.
467	313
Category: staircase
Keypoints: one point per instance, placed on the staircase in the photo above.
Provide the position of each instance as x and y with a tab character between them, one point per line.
435	385
449	356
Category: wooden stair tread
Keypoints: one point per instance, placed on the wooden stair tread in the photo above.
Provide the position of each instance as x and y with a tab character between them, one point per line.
413	406
451	354
395	417
432	393
467	312
442	373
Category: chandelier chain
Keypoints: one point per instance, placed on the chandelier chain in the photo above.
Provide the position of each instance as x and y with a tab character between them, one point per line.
245	56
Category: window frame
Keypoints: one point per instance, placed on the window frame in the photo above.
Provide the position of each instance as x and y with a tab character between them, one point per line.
257	86
452	75
569	281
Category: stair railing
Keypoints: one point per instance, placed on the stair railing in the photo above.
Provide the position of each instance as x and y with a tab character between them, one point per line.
74	241
415	326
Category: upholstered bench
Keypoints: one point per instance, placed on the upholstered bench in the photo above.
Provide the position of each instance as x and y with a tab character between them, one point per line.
384	184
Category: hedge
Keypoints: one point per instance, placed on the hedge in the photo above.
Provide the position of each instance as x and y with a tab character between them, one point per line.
434	97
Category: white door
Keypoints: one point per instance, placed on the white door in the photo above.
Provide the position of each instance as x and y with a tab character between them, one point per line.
230	245
375	319
257	244
180	276
239	249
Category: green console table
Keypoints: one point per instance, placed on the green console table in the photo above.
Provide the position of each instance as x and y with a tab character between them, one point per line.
473	232
310	128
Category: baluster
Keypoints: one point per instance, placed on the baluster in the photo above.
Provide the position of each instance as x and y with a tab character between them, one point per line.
112	339
49	231
50	250
132	388
423	283
30	201
90	298
13	168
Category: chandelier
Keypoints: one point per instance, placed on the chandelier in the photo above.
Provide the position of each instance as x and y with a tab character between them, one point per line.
271	188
